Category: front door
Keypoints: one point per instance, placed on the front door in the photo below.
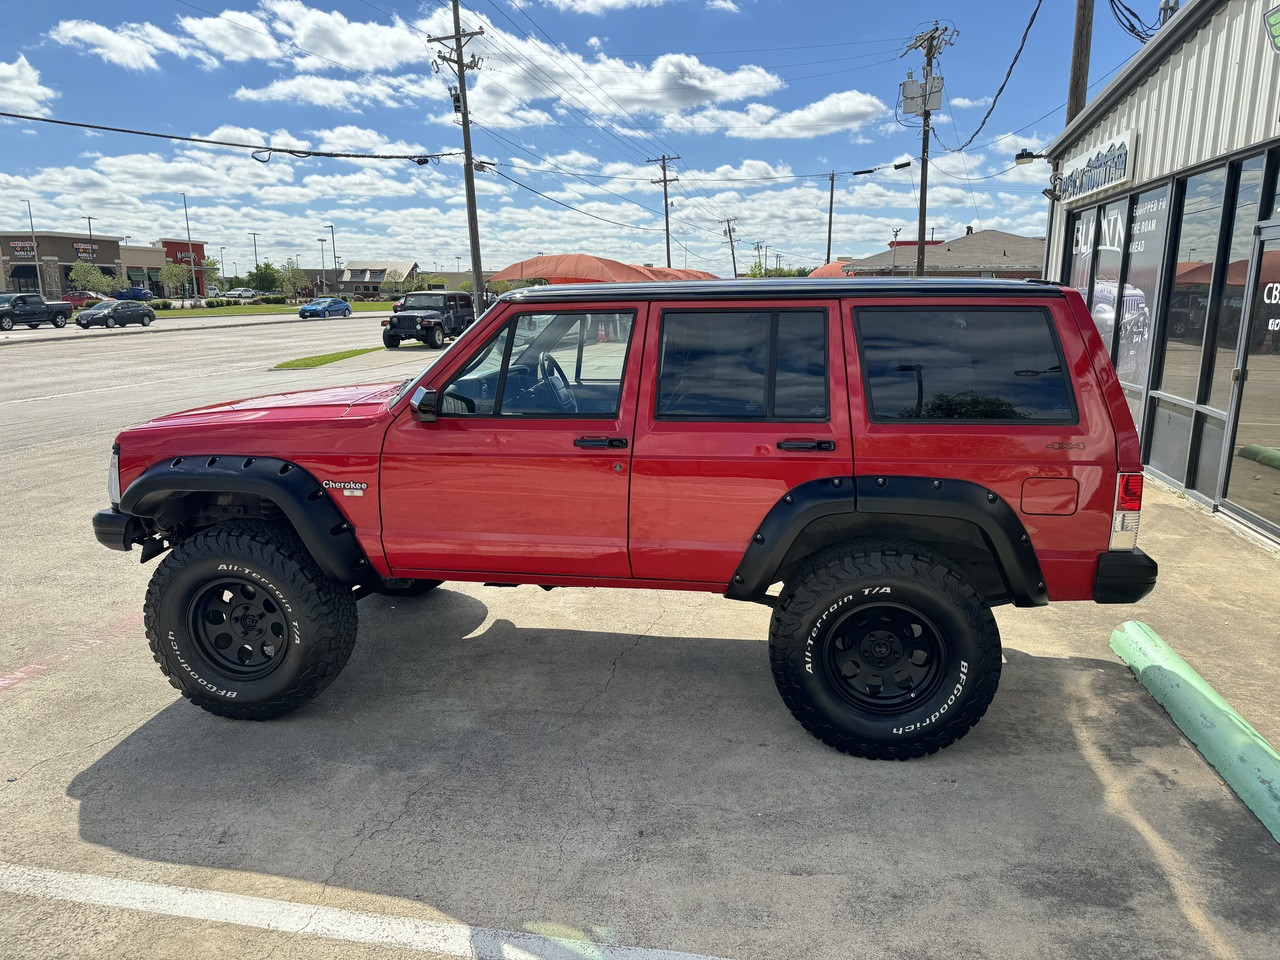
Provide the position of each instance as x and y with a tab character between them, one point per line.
526	470
1253	469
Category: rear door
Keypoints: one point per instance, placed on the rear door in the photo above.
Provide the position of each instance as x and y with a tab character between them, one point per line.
740	404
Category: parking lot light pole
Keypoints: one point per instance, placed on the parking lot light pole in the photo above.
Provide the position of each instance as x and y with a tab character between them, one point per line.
191	251
323	241
333	252
35	249
255	248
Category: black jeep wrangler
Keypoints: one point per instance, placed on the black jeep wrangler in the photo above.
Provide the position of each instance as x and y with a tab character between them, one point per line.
429	316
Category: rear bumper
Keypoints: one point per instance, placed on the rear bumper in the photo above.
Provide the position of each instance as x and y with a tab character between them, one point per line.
116	530
1124	576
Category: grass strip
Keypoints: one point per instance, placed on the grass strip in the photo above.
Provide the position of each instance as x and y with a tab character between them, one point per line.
306	363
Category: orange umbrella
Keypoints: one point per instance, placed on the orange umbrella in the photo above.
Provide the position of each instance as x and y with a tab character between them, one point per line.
840	268
572	268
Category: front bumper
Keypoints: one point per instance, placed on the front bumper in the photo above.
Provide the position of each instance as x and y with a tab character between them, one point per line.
1124	576
117	530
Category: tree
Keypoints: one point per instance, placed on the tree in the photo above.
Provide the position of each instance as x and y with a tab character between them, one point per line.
174	277
212	271
293	280
392	282
265	276
85	276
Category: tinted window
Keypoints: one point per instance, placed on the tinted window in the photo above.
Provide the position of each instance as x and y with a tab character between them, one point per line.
970	363
744	365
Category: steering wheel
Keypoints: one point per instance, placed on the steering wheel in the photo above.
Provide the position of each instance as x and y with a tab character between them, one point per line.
554	376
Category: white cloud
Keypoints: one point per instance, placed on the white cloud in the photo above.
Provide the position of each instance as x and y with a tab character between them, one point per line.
131	45
602	6
331	40
21	90
726	5
235	35
595	43
964	103
352	94
832	114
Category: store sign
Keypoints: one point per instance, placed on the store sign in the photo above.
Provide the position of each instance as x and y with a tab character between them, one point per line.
1099	169
85	251
22	248
1271	20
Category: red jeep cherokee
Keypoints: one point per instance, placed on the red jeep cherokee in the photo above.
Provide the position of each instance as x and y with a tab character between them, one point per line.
899	455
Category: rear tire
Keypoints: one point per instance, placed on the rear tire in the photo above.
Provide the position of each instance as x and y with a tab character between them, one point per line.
390	341
59	320
244	624
146	320
346	314
884	649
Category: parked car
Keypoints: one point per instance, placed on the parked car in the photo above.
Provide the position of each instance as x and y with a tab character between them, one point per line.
78	298
960	445
325	307
133	293
33	310
398	305
429	317
240	293
115	313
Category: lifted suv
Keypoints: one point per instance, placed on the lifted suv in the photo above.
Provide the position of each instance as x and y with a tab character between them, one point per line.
429	317
900	456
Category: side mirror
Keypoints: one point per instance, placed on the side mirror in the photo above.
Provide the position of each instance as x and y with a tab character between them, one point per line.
423	402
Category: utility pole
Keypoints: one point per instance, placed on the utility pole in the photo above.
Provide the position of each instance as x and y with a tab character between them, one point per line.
728	232
930	97
759	244
666	210
460	68
1078	86
831	209
255	249
35	247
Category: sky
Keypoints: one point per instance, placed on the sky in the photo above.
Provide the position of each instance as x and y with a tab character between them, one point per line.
571	102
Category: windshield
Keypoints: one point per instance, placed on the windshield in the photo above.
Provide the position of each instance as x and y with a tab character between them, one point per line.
424	301
317	303
5	298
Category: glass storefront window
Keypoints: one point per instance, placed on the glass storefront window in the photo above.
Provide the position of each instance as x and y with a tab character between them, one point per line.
1082	232
1147	229
1254	478
1106	285
1188	303
1231	304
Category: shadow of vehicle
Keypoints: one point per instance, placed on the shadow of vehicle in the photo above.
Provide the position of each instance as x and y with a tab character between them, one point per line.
653	790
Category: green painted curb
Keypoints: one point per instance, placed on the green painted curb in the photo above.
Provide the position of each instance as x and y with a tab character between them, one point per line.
1237	751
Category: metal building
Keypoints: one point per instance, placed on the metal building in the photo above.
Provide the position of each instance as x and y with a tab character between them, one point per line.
1164	217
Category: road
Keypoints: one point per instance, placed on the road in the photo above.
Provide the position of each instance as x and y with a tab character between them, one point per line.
508	772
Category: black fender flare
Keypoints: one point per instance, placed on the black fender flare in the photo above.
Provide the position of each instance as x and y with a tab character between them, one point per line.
325	531
923	497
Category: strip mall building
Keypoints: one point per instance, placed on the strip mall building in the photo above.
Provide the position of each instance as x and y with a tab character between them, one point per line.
1166	221
54	254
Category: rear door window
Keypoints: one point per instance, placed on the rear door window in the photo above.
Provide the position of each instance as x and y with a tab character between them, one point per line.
743	365
964	363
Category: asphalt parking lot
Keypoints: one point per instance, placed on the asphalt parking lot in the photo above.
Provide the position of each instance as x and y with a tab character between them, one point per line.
580	773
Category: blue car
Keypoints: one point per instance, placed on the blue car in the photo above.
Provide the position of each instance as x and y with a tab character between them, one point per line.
133	293
325	307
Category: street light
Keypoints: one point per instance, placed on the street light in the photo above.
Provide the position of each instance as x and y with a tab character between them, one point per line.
255	248
459	262
191	252
92	256
323	241
35	247
333	252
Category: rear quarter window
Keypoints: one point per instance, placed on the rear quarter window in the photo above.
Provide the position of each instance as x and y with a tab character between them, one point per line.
967	363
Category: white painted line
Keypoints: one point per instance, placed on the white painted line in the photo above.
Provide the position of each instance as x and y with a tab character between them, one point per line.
55	660
424	936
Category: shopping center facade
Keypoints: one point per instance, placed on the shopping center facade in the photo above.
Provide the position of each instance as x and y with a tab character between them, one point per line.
1163	214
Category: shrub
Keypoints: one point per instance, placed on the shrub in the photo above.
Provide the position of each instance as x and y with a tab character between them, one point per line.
162	304
89	303
272	300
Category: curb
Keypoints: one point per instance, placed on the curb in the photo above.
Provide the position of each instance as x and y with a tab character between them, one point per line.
1238	752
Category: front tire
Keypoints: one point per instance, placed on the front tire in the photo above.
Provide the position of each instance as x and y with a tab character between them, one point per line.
389	341
6	324
110	322
146	320
435	338
244	624
884	649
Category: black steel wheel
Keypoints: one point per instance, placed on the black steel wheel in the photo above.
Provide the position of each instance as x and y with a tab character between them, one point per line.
884	649
244	624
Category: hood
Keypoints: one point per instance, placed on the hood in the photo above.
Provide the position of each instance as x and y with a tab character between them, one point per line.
329	403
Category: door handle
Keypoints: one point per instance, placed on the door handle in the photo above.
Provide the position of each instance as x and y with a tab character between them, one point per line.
601	443
827	445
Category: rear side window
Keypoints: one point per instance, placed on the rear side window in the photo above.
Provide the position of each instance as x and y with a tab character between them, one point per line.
965	363
743	365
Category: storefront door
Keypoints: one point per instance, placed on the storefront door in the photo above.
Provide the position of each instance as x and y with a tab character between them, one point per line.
1253	468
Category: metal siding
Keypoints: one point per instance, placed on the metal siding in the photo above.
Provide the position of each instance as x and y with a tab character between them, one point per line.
1212	96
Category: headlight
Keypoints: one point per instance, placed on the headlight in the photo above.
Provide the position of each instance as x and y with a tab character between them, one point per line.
113	477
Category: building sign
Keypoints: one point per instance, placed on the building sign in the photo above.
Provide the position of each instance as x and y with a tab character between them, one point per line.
22	248
85	251
1100	169
1271	19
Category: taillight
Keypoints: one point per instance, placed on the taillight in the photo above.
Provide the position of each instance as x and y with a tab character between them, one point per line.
1127	512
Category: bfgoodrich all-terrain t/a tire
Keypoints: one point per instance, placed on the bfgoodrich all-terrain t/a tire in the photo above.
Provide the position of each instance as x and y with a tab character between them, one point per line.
242	621
884	649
